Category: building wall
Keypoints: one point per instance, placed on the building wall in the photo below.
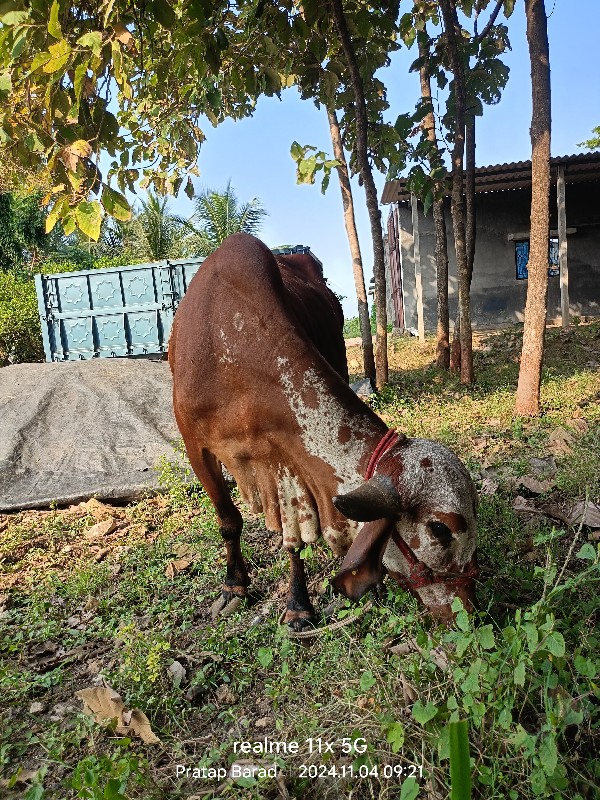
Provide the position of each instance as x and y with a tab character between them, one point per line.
497	297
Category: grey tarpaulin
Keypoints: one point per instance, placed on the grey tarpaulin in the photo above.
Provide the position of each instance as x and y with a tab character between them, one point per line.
77	429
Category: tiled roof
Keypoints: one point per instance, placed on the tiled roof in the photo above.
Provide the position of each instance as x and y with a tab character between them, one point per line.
516	175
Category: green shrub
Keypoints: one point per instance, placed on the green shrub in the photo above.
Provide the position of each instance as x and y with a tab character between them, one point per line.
351	328
20	328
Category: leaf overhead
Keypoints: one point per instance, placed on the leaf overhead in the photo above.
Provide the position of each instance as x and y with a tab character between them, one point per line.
88	216
115	204
54	28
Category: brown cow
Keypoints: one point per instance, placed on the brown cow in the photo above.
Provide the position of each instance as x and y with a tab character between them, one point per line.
260	385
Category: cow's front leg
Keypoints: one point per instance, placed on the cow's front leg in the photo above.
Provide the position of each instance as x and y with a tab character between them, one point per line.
236	578
300	613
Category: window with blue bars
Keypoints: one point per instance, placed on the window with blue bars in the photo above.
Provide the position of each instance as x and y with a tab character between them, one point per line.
522	259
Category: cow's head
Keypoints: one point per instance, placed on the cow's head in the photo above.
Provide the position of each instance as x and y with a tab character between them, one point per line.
419	508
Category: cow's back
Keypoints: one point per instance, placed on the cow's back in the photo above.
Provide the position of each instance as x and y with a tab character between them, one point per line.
260	381
316	308
241	302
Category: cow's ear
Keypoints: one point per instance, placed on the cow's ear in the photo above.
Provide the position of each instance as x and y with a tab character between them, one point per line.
361	569
376	498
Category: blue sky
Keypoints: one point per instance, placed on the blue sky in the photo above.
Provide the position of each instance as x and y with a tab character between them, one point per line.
254	152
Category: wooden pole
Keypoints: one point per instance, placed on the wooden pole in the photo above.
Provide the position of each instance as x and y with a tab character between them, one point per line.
562	246
417	256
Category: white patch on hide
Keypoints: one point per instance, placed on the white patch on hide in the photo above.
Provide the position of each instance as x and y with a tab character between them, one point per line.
298	514
238	321
320	426
340	541
227	357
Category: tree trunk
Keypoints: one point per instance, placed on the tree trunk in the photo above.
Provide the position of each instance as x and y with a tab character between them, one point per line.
470	230
530	373
471	221
439	223
352	233
448	8
442	350
362	155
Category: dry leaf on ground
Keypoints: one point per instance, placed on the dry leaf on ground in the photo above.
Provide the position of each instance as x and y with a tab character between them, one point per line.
225	696
176	566
521	504
184	550
105	705
543	467
489	487
536	486
578	424
586	514
408	690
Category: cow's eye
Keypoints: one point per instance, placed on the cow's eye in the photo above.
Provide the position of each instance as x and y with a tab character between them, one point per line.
441	532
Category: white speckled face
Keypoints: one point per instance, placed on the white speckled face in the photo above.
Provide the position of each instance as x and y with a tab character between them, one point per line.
439	524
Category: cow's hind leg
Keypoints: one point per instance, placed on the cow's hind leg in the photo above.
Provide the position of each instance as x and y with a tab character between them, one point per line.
300	612
208	469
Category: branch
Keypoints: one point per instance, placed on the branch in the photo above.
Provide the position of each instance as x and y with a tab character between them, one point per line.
491	21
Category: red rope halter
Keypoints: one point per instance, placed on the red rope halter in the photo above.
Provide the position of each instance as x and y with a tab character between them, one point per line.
387	441
419	573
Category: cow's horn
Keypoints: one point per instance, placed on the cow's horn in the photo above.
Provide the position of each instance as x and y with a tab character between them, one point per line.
375	499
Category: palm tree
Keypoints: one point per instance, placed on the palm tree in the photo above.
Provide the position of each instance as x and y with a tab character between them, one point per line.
218	215
154	233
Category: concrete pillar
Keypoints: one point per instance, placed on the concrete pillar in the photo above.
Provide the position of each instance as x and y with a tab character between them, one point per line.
417	256
562	247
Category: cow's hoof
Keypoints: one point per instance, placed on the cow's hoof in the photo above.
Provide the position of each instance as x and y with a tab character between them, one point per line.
299	621
225	605
232	594
300	625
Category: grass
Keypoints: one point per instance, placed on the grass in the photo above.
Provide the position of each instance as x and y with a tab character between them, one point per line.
370	702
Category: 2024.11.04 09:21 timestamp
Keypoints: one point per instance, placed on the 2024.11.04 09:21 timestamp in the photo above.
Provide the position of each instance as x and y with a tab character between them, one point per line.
398	771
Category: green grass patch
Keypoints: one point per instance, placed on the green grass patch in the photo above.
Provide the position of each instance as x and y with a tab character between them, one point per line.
370	705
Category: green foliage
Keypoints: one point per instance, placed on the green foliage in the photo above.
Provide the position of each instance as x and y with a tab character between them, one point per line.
592	143
486	76
351	328
460	764
108	777
143	661
20	331
307	165
22	236
154	233
219	215
175	475
59	71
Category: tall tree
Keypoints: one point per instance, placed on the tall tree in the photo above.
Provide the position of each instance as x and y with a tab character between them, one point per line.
451	27
532	354
355	252
366	173
475	89
439	221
